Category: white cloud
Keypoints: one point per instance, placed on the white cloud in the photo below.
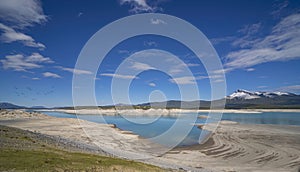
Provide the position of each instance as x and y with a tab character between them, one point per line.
140	6
216	41
17	15
176	70
243	41
51	75
20	63
75	71
222	71
281	44
262	86
35	78
250	69
217	80
278	7
137	6
141	66
10	35
79	14
22	13
157	21
250	29
152	84
183	80
119	76
38	58
192	79
290	88
124	52
150	44
248	37
192	64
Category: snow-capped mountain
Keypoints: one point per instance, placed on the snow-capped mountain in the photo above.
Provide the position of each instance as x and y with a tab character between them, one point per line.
244	94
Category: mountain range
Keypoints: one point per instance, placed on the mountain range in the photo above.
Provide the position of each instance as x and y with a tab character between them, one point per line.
240	99
248	99
6	105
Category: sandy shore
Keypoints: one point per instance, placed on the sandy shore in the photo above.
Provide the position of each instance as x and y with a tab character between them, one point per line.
98	138
236	147
233	147
163	112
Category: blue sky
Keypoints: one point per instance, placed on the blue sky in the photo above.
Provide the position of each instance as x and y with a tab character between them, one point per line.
258	43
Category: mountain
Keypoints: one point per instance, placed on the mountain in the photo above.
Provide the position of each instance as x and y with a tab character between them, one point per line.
244	94
238	100
6	105
176	104
257	99
38	107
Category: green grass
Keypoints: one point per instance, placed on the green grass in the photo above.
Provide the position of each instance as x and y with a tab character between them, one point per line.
57	160
23	151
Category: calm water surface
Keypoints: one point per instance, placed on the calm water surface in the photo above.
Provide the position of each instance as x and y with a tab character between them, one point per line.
164	123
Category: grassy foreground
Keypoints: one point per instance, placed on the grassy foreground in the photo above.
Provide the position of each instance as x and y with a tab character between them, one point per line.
22	151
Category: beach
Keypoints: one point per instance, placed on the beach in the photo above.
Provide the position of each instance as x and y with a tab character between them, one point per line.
161	112
232	147
236	147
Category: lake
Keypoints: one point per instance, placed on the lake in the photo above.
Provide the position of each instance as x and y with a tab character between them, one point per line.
165	122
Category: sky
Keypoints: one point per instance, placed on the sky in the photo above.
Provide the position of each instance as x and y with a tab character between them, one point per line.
258	43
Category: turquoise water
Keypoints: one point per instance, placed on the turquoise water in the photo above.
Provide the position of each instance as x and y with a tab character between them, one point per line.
164	123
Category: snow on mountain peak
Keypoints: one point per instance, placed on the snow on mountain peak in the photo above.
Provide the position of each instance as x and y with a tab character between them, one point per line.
244	94
281	93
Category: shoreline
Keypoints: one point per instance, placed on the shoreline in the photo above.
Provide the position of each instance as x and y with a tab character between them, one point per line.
105	137
246	147
161	112
233	147
23	150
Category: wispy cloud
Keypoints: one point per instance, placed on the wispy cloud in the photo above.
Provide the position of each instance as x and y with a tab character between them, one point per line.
281	44
250	29
217	80
249	36
187	79
9	35
80	14
151	84
262	86
51	75
220	40
142	6
250	69
19	62
38	58
150	44
169	63
290	88
141	66
124	52
278	7
119	76
183	80
138	6
192	64
75	71
157	21
22	13
16	15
